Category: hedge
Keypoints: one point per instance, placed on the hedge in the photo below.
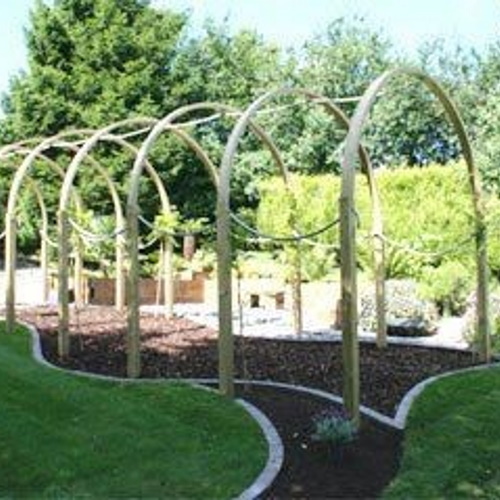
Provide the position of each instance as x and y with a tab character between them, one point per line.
428	219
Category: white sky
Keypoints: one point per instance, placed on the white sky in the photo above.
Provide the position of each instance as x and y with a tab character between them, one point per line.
290	22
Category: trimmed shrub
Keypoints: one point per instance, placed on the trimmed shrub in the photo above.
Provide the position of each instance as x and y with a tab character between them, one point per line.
427	213
449	287
403	302
471	333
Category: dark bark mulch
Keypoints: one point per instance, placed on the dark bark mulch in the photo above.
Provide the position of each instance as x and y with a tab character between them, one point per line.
181	348
311	470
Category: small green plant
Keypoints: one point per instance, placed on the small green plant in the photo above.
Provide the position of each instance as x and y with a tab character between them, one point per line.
471	334
334	427
448	286
194	226
167	223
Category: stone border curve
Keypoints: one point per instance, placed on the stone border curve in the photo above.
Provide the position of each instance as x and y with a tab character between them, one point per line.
275	444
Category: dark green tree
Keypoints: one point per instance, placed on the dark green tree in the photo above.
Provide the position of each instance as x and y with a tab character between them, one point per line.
409	125
339	63
92	62
233	69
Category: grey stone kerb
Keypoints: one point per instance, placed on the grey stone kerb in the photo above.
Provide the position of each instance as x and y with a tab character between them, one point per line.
275	459
275	445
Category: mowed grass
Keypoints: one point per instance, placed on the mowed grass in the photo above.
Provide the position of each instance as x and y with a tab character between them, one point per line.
64	436
452	444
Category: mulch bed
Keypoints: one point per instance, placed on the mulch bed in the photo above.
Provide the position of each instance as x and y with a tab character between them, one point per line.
181	348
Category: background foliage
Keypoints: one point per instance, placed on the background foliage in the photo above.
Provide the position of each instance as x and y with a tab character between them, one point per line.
91	62
428	224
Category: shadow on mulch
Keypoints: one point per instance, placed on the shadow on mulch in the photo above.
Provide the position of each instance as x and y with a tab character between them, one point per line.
180	348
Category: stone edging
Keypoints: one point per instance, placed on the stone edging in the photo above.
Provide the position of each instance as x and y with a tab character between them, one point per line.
276	454
397	422
276	451
275	445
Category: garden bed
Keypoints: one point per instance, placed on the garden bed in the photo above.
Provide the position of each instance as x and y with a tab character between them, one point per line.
181	348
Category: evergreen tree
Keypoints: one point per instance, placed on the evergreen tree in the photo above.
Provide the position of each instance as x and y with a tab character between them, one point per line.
92	62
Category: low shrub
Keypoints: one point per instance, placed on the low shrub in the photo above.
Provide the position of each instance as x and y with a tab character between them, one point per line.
471	333
448	286
403	301
334	427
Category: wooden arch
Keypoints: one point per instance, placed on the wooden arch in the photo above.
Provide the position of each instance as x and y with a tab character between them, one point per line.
348	227
104	134
18	148
10	217
168	123
21	149
226	369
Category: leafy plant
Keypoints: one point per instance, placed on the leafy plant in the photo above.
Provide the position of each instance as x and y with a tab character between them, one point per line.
495	336
193	226
471	334
403	301
204	260
259	265
333	426
167	223
448	286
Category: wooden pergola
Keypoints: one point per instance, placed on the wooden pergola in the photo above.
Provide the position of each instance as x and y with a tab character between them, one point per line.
128	245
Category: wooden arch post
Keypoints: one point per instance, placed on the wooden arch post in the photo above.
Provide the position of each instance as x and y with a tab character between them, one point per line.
377	220
63	220
348	227
120	221
72	146
44	255
223	231
10	219
120	292
121	289
167	123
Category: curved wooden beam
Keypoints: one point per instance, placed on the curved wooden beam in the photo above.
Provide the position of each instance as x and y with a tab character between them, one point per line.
223	219
10	223
348	226
55	167
377	219
168	123
63	223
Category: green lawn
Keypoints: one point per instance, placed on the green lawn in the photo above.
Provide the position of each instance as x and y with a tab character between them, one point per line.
452	446
63	436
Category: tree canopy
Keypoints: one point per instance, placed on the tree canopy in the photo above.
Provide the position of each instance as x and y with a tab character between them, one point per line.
92	62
